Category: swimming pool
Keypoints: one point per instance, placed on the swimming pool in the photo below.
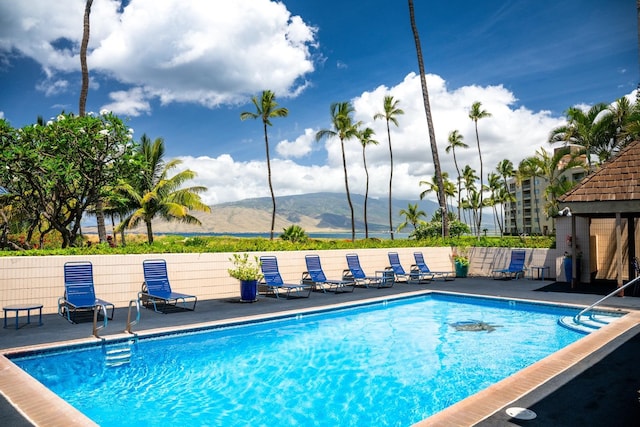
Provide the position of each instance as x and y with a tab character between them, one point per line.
392	363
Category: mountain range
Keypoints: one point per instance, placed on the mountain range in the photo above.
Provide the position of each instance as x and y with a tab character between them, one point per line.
314	212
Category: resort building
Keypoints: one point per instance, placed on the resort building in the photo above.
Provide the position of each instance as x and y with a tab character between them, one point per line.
527	214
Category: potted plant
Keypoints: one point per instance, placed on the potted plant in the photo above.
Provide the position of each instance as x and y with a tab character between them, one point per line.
248	272
461	262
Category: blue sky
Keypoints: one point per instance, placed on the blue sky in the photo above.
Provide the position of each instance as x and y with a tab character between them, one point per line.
185	71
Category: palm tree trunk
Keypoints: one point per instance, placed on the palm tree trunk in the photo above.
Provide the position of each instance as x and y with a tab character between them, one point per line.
535	198
102	228
432	133
83	60
455	162
149	232
366	195
391	181
346	185
273	197
481	180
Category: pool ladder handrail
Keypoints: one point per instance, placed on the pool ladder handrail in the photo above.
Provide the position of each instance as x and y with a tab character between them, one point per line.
131	323
96	328
577	317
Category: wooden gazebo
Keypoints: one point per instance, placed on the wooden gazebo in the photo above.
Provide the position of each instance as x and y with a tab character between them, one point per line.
611	192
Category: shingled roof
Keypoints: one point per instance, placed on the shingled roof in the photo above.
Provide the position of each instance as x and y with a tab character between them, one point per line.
614	188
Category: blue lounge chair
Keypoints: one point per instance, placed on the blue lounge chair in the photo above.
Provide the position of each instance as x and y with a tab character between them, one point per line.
354	272
515	268
315	276
156	289
79	293
422	267
274	283
413	277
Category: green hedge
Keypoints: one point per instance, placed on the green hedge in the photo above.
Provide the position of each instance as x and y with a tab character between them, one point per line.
200	244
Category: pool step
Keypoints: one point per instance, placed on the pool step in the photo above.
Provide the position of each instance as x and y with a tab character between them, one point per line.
587	324
118	354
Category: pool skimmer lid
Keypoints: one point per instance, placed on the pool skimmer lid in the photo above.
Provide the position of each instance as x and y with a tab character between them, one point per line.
521	413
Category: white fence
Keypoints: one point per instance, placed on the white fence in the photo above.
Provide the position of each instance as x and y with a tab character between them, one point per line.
118	278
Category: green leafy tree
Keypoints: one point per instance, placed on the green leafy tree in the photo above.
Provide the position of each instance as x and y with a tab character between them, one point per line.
476	114
365	136
391	111
344	129
456	140
59	170
158	194
427	110
266	109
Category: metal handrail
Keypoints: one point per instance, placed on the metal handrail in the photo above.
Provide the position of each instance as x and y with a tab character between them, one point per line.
96	328
576	318
135	322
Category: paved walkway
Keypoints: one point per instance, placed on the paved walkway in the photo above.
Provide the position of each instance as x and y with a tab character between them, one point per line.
56	329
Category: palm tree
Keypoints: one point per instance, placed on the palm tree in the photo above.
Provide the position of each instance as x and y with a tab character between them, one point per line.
427	110
412	216
365	137
391	110
266	109
553	166
588	130
621	114
82	104
344	129
494	186
530	168
505	170
456	140
449	187
157	194
476	114
469	178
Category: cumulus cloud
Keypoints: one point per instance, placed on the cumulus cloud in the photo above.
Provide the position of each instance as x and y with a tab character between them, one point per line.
508	127
203	52
129	103
300	147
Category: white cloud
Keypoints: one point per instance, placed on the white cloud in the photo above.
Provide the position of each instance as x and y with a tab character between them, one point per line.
1	114
205	52
300	147
52	87
129	103
510	133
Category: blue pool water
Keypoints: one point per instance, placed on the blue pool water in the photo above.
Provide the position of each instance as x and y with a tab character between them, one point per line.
386	364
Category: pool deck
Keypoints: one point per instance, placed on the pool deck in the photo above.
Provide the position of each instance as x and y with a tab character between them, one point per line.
591	382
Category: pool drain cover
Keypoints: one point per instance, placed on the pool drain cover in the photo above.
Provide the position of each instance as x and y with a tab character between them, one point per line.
521	413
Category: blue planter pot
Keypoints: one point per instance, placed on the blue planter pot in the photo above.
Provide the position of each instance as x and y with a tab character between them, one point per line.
568	269
248	290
